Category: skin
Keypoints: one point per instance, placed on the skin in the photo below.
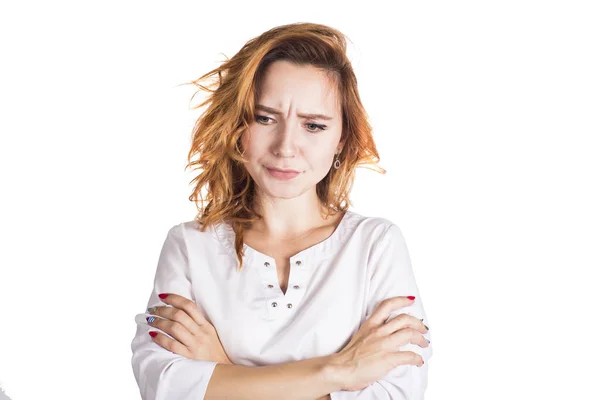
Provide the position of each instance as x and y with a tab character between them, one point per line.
291	210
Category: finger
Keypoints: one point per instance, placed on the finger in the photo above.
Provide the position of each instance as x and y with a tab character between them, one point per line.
184	304
405	358
176	315
170	344
403	321
386	307
403	337
173	328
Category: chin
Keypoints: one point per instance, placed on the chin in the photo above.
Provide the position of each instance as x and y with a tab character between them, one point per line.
282	191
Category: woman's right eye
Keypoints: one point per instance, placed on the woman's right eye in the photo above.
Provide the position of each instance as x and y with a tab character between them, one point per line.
258	119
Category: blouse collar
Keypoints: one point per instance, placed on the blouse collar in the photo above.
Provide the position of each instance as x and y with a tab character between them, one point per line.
320	251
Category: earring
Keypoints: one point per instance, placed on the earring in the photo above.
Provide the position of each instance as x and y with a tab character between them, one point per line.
337	162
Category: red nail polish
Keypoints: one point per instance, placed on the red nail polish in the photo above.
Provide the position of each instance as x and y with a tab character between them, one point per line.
163	295
411	297
153	334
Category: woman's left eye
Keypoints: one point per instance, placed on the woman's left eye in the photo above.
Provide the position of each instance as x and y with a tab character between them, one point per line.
318	127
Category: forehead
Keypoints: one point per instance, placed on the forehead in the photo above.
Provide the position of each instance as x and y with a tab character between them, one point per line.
304	87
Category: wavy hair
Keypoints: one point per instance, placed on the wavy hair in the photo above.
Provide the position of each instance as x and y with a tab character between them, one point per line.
224	190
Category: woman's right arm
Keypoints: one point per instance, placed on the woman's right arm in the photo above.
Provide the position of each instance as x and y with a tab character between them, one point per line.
305	379
163	375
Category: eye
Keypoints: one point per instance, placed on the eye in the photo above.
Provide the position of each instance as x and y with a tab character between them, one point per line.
264	120
318	127
257	119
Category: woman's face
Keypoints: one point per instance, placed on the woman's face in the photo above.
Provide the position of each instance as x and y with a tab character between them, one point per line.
283	136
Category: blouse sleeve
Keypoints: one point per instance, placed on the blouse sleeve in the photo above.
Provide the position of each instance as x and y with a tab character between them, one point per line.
393	276
161	374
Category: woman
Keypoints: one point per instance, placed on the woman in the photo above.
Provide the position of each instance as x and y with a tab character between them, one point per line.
276	290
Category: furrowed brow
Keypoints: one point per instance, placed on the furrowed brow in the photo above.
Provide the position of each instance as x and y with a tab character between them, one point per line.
277	112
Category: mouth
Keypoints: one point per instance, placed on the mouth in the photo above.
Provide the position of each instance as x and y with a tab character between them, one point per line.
283	174
284	170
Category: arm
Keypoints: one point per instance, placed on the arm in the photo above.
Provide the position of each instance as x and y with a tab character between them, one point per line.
393	276
306	379
163	375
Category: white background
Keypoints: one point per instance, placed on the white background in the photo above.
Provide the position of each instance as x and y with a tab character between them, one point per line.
486	117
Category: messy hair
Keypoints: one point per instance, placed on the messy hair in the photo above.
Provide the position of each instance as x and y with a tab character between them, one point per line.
224	190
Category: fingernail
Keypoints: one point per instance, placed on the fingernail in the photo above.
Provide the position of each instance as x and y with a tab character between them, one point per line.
153	334
150	319
411	297
426	327
151	310
427	340
163	295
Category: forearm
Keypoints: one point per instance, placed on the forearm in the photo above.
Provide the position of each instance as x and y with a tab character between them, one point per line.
308	379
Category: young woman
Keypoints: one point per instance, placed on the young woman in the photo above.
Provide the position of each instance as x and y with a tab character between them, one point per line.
276	290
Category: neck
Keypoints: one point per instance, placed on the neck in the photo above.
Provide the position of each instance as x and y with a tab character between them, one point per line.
289	218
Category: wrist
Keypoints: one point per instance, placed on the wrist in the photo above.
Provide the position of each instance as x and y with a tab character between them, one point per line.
335	371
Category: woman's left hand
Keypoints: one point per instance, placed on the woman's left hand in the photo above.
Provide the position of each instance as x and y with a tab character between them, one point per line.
195	337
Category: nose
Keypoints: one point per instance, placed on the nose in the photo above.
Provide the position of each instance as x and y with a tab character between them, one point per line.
285	145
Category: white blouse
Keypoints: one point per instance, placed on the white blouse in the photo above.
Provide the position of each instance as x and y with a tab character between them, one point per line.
333	287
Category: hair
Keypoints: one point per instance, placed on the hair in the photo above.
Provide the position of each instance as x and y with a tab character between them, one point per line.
215	147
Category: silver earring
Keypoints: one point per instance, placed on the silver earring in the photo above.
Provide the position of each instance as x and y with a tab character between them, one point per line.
337	162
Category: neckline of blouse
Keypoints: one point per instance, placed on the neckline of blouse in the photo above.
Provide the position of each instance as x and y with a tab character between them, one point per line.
319	251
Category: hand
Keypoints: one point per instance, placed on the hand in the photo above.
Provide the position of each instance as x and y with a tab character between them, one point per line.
195	338
373	350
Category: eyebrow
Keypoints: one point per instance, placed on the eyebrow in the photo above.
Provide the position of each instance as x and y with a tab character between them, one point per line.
277	112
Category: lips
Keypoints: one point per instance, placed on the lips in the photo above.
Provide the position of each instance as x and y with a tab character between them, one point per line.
283	174
284	170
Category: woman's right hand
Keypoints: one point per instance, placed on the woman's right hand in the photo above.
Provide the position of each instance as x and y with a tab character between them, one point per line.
373	350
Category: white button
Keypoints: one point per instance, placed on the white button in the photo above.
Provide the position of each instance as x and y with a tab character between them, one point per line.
289	305
274	304
296	287
298	262
267	264
270	286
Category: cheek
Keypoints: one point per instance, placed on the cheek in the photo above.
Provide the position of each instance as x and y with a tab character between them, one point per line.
254	150
248	145
319	160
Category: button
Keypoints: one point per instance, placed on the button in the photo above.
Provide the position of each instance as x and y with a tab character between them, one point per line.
296	287
274	304
289	305
267	264
270	286
298	262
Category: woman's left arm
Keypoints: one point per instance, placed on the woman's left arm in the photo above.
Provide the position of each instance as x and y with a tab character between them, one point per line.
393	276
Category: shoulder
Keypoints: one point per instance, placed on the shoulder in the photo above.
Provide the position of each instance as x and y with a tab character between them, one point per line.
194	234
374	227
